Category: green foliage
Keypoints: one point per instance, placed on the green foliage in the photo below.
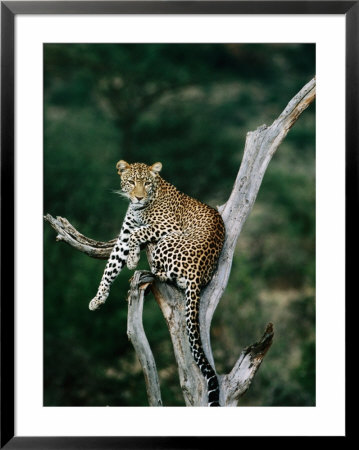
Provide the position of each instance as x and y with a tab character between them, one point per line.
190	107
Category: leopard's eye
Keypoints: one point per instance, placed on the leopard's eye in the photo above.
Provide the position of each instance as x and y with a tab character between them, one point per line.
147	183
131	182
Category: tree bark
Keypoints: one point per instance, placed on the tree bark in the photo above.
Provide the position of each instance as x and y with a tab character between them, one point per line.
137	336
260	146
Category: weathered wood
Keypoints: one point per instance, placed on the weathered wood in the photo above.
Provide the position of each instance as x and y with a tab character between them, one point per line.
193	385
260	146
68	233
237	382
259	149
137	336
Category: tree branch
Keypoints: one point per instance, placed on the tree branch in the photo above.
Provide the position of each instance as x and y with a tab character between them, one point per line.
137	336
260	147
237	382
68	233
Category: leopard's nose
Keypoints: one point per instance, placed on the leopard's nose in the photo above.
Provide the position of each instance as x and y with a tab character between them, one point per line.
139	198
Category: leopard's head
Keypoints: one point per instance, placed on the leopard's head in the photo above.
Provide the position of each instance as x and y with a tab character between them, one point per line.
138	181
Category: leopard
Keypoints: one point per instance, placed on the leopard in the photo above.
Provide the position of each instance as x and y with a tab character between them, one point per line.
187	237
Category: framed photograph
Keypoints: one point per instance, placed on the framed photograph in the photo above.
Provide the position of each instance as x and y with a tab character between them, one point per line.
164	103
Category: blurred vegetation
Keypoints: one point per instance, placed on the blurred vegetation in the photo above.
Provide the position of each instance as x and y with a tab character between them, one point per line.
190	107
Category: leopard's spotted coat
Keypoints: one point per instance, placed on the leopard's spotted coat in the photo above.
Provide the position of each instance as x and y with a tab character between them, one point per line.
188	237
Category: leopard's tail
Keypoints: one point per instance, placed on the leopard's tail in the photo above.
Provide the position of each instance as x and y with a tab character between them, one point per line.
193	330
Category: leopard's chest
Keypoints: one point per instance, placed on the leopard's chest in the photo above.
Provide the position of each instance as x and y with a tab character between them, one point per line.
158	216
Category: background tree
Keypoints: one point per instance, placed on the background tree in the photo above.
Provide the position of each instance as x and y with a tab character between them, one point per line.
190	107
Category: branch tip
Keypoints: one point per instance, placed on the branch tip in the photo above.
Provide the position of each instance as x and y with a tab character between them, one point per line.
260	348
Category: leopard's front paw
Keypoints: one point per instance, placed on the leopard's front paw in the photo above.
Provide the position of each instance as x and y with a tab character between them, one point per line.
96	302
132	261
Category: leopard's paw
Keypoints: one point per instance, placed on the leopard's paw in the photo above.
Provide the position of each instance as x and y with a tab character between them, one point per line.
96	302
132	261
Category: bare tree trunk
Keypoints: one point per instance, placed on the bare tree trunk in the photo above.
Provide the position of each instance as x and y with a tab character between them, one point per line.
259	148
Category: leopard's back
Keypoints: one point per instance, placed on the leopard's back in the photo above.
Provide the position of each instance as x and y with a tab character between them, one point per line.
195	234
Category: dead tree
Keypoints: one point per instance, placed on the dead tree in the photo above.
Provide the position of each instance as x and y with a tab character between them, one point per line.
259	148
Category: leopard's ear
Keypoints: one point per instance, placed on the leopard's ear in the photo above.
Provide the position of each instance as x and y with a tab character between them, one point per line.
156	168
121	166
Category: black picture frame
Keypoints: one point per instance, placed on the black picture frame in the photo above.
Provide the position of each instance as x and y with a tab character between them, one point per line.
9	10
